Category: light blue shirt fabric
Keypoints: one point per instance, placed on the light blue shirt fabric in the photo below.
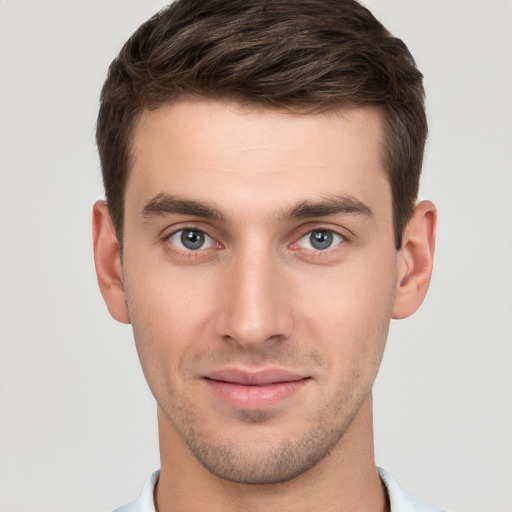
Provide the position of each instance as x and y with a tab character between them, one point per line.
399	500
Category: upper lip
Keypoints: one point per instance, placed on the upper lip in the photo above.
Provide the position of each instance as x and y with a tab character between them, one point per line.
260	377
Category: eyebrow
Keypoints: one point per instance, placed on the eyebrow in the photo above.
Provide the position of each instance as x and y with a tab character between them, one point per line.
165	204
343	204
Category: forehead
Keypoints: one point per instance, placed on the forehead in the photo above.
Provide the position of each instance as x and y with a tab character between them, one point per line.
225	153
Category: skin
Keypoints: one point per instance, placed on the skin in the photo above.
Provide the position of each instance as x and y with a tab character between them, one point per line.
260	295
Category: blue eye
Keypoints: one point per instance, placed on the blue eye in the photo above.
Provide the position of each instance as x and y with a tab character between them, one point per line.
191	240
320	240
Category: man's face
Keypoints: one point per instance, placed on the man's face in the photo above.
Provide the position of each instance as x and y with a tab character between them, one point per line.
260	275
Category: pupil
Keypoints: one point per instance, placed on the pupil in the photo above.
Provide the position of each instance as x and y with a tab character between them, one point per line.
321	239
192	239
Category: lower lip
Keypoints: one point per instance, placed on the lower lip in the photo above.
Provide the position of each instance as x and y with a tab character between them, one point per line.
255	397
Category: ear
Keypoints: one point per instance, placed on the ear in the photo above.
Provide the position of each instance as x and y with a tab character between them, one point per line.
415	260
107	260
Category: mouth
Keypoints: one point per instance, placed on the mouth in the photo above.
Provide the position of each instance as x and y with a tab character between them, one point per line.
258	390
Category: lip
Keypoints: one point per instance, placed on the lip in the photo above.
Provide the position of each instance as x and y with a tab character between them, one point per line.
255	390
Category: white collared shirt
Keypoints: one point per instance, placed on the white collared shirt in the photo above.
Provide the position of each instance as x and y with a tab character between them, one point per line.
399	500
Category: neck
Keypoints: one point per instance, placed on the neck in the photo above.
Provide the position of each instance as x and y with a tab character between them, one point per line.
346	479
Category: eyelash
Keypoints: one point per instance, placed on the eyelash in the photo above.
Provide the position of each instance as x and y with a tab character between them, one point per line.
191	253
339	240
336	239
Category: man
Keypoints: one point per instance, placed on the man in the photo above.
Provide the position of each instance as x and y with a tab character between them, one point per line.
261	161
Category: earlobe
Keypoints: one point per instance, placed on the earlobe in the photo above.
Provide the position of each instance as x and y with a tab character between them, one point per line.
415	260
107	260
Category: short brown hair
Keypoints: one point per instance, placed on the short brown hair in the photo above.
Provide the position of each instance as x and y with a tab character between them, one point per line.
304	55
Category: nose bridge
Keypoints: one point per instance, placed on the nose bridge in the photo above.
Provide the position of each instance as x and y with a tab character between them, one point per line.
253	308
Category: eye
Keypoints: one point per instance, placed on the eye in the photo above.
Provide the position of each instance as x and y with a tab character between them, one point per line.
320	240
191	240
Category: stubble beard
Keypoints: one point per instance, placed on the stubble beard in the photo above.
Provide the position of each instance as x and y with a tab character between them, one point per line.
262	460
262	454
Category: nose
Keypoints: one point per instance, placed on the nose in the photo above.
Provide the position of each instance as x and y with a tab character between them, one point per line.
253	307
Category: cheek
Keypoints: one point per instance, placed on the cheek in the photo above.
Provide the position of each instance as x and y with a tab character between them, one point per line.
169	315
348	314
165	297
352	296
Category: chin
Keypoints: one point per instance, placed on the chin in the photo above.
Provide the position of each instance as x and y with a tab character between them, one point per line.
260	459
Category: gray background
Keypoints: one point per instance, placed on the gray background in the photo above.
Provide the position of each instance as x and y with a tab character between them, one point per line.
77	423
